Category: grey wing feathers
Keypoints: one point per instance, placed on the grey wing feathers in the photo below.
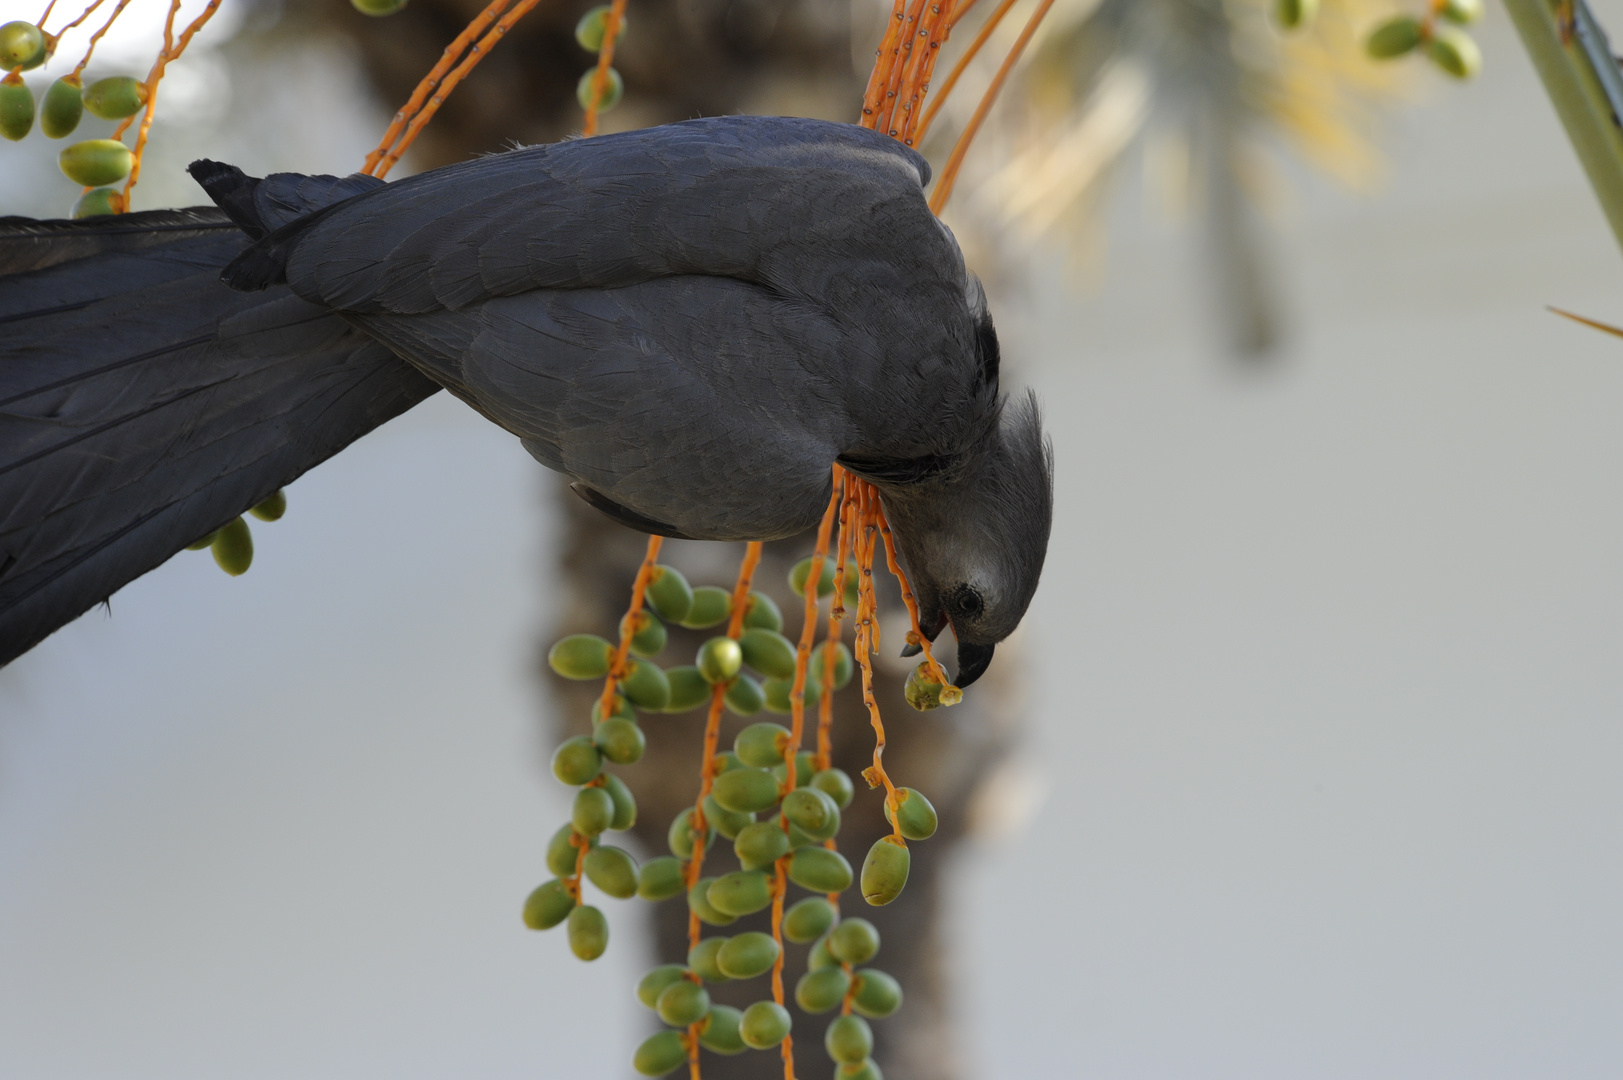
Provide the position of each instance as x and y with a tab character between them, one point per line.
143	404
621	209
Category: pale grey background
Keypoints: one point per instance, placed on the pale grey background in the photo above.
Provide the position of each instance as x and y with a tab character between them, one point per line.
1325	716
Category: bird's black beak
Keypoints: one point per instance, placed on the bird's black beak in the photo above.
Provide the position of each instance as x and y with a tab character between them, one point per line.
973	660
931	632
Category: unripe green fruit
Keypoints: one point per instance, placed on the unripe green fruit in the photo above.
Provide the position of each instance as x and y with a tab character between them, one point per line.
576	760
620	740
884	871
96	162
613	871
1291	14
866	1070
813	811
808	920
762	744
778	692
682	835
561	854
746	791
854	941
727	761
115	98
377	8
719	1031
798	837
921	691
206	541
16	110
233	547
669	594
805	769
651	985
702	960
719	660
689	689
819	957
918	817
821	990
1461	11
22	46
844	664
625	804
836	784
593	26
588	932
1394	37
764	1025
62	108
711	606
592	811
271	507
742	892
727	823
761	613
648	635
849	1040
878	995
761	844
98	202
747	955
661	878
620	707
744	696
681	1003
659	1053
549	905
581	656
820	870
699	904
802	570
768	652
646	687
1454	51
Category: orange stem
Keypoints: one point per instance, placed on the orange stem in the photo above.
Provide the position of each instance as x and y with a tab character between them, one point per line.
949	174
617	665
106	26
605	58
450	56
916	637
963	63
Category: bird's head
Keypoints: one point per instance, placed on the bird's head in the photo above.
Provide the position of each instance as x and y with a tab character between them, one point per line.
973	539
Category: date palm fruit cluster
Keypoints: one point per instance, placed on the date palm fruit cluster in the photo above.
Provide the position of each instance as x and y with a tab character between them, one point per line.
771	823
1438	33
590	33
90	163
233	542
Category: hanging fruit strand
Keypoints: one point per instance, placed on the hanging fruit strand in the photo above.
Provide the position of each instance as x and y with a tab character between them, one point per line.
605	59
964	61
453	52
118	9
916	635
477	53
628	625
949	172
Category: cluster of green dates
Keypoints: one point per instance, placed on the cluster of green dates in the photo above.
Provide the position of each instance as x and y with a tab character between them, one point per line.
590	32
90	163
1444	43
677	994
750	804
233	542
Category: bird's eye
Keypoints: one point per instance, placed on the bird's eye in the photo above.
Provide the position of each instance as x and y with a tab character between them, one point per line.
967	602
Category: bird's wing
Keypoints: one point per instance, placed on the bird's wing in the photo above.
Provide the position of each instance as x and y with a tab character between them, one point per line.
700	403
806	208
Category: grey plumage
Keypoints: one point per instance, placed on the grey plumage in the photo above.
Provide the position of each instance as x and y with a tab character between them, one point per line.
694	322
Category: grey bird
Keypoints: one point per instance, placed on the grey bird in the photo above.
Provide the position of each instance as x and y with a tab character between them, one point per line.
692	322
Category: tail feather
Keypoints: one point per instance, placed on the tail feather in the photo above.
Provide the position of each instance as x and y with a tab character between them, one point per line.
143	404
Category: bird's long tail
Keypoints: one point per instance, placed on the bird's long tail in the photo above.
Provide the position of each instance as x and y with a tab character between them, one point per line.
143	404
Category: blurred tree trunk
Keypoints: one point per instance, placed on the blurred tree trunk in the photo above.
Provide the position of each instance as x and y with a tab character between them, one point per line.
680	60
